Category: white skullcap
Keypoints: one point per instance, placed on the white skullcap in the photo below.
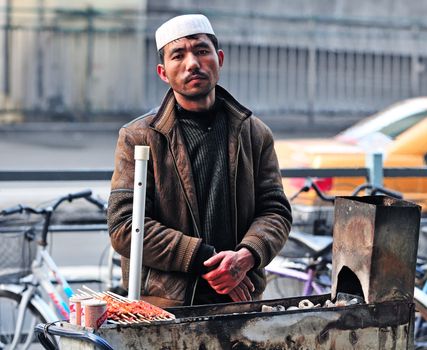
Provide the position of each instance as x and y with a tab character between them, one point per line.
181	26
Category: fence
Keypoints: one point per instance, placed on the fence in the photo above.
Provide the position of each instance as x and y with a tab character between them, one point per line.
78	65
105	175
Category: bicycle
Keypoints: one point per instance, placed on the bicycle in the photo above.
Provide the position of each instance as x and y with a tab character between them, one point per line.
24	275
420	299
302	268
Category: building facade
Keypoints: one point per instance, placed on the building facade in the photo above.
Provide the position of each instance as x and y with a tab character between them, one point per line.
83	60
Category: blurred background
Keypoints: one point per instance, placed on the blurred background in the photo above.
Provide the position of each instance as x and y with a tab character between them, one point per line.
298	64
73	72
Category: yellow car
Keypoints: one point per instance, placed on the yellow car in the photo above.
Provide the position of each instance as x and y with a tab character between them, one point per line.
398	132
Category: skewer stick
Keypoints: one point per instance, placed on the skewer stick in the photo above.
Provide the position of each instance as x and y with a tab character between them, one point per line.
111	299
138	214
92	292
125	317
123	299
114	321
114	295
83	292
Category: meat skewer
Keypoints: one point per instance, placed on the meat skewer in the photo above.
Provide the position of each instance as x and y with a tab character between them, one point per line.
142	305
125	311
114	312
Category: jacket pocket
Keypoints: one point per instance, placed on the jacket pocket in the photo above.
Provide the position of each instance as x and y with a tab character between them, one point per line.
156	283
170	285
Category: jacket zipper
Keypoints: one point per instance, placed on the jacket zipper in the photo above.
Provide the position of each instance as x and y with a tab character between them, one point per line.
182	189
194	283
235	188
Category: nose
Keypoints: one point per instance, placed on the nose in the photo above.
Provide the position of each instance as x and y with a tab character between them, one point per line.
192	62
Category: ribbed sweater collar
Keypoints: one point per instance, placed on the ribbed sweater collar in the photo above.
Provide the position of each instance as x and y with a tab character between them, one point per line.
203	118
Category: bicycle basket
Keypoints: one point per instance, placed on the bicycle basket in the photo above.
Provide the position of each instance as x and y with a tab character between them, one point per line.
17	252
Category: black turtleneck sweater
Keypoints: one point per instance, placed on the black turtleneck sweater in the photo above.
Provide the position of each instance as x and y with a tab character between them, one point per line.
206	138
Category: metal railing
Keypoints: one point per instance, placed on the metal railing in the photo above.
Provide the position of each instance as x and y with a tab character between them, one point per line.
59	175
105	175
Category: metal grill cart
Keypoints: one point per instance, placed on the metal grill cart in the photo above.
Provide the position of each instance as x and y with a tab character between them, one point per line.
374	256
386	325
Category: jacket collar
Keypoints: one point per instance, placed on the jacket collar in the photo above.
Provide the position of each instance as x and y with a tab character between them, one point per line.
165	118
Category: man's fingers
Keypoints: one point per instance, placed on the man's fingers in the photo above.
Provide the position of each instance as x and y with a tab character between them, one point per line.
248	283
218	281
240	293
214	276
245	291
214	260
226	288
233	295
224	291
242	290
227	275
223	286
236	295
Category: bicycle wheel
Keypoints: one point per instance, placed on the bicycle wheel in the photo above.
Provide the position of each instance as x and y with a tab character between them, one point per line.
420	327
9	304
296	284
279	287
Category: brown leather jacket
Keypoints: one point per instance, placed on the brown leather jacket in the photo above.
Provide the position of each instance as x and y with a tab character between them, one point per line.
260	211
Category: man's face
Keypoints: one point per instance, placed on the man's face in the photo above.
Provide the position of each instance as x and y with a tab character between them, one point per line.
191	67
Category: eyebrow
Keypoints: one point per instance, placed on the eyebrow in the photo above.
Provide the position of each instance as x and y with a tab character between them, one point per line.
202	44
175	50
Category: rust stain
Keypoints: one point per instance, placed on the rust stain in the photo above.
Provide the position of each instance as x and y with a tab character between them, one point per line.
368	240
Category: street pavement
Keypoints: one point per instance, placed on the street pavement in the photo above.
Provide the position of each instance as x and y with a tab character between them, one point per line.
54	146
54	150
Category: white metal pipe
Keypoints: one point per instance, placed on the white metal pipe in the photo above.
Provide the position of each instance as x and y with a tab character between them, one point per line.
138	214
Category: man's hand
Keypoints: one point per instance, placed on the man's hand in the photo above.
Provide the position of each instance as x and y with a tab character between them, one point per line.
230	269
242	291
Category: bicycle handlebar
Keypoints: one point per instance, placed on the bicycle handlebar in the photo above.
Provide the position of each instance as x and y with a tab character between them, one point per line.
377	189
12	210
48	210
72	196
101	204
21	209
319	192
310	184
86	194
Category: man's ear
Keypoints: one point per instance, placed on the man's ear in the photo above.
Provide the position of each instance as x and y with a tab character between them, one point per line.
220	57
162	73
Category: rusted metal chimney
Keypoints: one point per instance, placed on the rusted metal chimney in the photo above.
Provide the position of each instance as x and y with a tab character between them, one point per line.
375	248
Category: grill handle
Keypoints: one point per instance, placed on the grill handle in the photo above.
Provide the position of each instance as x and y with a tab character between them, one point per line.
43	332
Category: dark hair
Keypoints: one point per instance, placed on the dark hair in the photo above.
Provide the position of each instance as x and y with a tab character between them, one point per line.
212	37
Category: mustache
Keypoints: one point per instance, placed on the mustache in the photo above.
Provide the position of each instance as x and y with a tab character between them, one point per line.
196	75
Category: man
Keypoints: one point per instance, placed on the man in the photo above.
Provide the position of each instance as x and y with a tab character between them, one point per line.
216	213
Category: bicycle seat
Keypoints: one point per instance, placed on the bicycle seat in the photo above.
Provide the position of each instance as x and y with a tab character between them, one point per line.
306	245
